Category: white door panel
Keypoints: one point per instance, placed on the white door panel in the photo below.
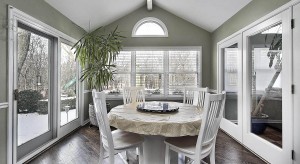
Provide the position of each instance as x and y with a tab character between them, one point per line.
230	80
267	88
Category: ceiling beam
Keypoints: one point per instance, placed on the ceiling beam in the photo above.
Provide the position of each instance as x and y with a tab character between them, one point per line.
149	4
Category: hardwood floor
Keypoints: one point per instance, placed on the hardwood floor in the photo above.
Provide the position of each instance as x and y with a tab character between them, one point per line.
82	147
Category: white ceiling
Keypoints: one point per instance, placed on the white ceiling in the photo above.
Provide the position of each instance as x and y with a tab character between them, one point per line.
91	14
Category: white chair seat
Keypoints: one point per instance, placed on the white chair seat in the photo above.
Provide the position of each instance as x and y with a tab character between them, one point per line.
186	144
125	140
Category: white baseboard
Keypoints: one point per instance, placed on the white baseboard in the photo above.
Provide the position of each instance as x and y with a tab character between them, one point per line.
85	122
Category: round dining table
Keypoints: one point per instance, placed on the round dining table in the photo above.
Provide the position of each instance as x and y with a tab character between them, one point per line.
155	126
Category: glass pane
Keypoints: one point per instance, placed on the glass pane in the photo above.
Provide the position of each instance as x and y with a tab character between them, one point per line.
153	83
230	79
150	28
182	61
123	62
68	78
177	82
33	85
119	82
266	119
149	61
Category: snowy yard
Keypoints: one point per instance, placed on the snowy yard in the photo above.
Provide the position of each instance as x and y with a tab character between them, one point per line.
32	125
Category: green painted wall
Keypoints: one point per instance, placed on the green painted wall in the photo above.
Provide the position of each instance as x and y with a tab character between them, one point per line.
43	12
181	33
250	13
3	137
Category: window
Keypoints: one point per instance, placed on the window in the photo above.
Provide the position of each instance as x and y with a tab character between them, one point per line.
183	70
150	27
231	69
162	71
121	77
149	71
262	73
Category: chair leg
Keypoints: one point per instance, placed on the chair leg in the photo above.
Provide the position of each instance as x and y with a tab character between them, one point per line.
126	154
141	155
101	154
167	155
187	160
137	152
111	159
111	156
212	155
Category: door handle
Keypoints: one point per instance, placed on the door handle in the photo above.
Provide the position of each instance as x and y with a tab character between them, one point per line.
16	94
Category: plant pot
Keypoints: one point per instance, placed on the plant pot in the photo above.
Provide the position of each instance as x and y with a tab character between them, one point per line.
259	123
92	114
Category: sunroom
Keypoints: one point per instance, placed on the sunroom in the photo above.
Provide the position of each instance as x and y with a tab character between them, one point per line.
77	78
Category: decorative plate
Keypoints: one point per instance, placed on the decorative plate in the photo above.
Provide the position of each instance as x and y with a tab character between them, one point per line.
157	107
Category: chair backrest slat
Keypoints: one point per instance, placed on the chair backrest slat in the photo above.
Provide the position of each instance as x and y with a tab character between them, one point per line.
101	114
212	115
133	94
194	96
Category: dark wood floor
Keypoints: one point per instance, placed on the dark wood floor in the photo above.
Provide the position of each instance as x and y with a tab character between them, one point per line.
82	147
273	135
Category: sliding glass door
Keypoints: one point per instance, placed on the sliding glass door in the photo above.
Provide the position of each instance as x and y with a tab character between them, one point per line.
43	82
68	91
267	85
33	95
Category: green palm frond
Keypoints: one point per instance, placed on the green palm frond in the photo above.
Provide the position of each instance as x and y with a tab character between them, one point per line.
96	53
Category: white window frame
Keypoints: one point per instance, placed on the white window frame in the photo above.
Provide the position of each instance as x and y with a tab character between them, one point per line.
150	19
165	68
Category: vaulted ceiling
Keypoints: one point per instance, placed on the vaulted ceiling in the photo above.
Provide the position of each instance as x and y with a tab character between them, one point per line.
91	14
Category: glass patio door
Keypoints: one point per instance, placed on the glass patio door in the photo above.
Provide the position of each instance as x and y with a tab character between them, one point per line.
68	91
230	80
267	86
33	105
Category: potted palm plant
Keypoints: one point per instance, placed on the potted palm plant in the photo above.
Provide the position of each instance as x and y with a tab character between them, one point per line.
96	53
258	118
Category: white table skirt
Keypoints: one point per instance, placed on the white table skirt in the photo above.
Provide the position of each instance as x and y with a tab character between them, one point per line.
185	122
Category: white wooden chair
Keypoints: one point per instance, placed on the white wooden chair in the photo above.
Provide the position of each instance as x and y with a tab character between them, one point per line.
199	147
133	94
116	141
194	96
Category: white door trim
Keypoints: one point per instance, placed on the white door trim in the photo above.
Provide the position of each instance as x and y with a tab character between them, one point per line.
296	82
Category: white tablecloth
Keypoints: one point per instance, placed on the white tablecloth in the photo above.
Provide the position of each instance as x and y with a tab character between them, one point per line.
185	122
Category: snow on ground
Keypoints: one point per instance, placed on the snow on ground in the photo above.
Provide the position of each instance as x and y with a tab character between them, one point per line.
32	125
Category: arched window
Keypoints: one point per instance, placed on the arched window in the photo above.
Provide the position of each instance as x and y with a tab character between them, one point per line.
150	27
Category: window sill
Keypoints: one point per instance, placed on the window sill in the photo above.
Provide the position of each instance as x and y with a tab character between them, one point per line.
149	97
